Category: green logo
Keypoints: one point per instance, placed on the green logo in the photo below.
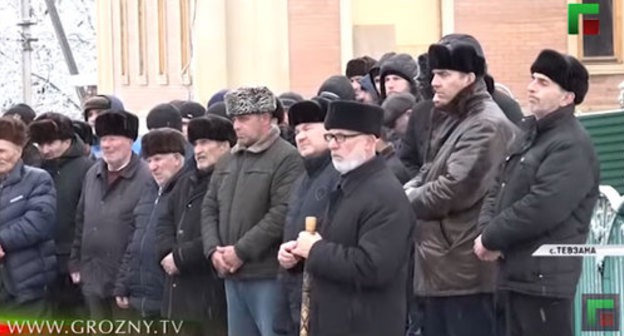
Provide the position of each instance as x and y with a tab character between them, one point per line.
601	312
590	26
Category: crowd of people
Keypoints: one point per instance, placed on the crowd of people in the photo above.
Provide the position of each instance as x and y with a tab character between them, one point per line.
430	189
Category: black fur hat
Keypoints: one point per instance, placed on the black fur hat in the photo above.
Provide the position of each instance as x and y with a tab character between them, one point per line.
354	116
211	127
458	52
309	111
359	66
49	127
162	141
164	115
120	123
84	131
250	100
564	70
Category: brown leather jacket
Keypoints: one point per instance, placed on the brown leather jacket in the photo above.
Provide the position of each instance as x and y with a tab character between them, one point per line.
469	142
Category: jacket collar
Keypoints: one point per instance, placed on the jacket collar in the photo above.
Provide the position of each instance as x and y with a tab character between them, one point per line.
555	118
127	172
261	145
351	180
172	182
467	98
317	163
15	175
75	150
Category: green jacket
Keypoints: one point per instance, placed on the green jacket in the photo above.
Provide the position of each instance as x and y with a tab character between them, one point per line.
246	203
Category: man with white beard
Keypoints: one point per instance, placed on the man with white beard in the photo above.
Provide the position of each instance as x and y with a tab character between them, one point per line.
358	259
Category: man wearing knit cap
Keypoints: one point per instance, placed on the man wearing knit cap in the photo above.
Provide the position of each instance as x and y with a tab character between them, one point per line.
190	110
358	259
545	195
193	291
64	160
28	216
309	198
140	281
340	86
374	72
164	115
104	219
468	144
244	210
398	75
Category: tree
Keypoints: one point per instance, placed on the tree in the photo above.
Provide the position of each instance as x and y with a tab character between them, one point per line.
52	87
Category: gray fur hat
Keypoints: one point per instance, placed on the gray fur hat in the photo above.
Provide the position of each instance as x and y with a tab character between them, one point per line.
250	100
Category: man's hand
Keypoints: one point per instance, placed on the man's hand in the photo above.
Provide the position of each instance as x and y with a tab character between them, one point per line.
168	264
285	256
305	242
2	254
218	262
75	276
122	302
483	253
232	261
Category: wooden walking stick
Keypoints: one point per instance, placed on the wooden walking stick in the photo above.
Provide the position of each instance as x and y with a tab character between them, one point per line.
310	227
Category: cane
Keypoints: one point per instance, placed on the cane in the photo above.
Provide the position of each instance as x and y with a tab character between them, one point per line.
310	227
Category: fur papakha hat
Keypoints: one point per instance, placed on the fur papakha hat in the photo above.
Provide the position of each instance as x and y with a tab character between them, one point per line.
162	141
49	127
250	100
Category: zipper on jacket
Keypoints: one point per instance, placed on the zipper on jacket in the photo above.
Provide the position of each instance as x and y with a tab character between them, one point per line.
142	244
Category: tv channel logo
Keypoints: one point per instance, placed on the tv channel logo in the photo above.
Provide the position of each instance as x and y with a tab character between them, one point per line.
601	312
590	26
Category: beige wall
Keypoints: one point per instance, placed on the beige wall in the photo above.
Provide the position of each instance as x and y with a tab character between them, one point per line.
401	25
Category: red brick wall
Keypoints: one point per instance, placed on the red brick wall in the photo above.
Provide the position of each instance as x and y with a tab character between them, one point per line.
513	32
314	39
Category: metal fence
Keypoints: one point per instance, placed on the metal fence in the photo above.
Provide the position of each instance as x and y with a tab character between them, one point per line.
603	275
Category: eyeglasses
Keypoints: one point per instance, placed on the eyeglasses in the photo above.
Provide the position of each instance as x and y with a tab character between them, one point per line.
339	137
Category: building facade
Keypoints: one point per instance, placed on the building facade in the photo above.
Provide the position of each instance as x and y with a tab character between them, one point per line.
151	51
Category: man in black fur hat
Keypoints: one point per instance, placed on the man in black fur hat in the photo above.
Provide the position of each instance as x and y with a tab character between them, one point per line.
466	148
244	210
545	195
358	259
140	280
104	219
193	291
63	157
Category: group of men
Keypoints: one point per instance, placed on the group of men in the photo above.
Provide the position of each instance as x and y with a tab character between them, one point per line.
429	191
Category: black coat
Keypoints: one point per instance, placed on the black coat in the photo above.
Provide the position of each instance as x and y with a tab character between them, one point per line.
359	269
104	224
141	277
309	198
27	220
545	195
68	173
196	293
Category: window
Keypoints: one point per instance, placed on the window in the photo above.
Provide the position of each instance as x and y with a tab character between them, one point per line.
123	41
604	47
185	41
142	57
162	43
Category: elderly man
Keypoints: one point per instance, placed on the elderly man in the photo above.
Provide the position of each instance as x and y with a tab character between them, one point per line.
546	195
193	291
358	260
309	198
105	215
28	216
140	281
244	210
63	158
465	150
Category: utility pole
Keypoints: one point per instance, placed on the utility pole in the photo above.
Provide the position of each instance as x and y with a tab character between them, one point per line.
26	51
62	39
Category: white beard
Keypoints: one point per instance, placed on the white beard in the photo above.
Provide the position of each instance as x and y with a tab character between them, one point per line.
345	166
